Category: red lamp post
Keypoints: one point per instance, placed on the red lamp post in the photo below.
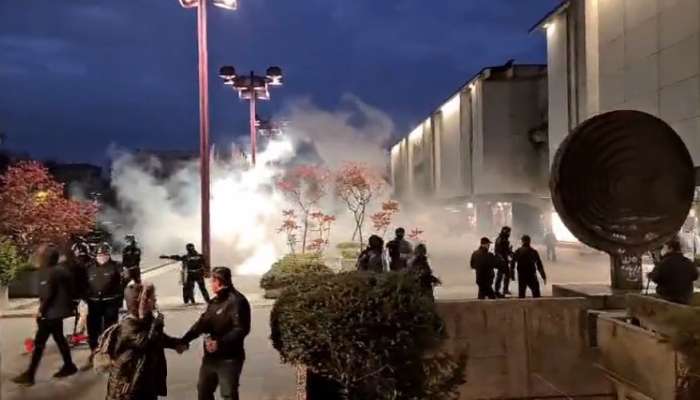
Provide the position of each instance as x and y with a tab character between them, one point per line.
204	156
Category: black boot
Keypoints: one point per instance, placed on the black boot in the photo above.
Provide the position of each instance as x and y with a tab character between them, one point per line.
66	371
24	379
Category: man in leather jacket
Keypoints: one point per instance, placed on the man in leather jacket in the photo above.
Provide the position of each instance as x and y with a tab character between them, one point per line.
226	322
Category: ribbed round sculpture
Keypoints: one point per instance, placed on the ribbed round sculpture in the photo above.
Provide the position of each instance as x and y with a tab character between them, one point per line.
623	182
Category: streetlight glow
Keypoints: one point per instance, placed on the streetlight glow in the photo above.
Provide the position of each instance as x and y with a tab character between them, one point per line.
225	4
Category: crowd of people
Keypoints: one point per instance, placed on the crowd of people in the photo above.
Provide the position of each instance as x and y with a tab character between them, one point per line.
501	265
131	349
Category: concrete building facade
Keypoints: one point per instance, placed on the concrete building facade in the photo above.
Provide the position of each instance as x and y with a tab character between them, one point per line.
606	55
483	149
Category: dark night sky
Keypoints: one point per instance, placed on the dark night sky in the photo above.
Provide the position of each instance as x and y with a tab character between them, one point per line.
79	75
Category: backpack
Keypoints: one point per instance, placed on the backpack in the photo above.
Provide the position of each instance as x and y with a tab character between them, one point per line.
102	357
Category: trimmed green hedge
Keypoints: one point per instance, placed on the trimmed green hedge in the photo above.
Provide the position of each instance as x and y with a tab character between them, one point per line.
375	335
290	268
348	245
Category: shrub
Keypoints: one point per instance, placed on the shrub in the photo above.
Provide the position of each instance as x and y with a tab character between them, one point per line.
351	254
374	334
290	268
11	263
347	245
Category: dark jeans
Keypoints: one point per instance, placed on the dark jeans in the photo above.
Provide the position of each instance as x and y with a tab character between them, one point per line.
551	253
188	288
525	282
101	315
503	276
225	374
46	328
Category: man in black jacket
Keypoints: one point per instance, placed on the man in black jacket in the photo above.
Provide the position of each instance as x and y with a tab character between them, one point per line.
55	304
104	296
400	250
226	322
192	272
674	275
484	263
527	262
131	260
504	250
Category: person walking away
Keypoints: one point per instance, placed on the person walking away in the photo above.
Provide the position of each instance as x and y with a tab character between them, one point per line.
55	304
77	265
418	265
527	262
371	259
131	260
226	322
104	297
399	250
483	262
136	348
504	250
550	241
674	275
193	272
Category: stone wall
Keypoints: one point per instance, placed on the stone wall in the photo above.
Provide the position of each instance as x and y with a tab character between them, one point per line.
524	349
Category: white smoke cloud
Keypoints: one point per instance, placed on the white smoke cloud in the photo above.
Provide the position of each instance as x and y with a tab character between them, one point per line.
246	208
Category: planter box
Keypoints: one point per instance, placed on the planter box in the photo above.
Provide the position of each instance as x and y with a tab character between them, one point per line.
654	313
25	285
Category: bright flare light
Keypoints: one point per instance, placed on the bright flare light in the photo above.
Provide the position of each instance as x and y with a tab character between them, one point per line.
561	231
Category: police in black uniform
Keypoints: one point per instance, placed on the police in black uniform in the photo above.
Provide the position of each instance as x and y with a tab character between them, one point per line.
527	262
483	262
131	260
192	272
504	250
226	322
104	297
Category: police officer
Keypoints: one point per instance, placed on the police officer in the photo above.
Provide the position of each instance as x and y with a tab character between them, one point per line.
131	260
400	250
193	272
674	274
504	250
55	304
104	297
226	322
527	262
483	262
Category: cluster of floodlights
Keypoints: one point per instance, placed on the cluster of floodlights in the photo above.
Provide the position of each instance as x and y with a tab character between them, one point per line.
227	4
251	86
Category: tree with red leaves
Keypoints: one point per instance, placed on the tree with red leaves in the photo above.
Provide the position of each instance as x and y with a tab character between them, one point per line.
289	227
382	220
304	186
357	185
416	235
34	209
322	227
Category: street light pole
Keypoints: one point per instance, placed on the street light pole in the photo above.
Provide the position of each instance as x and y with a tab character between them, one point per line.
253	128
252	88
204	156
